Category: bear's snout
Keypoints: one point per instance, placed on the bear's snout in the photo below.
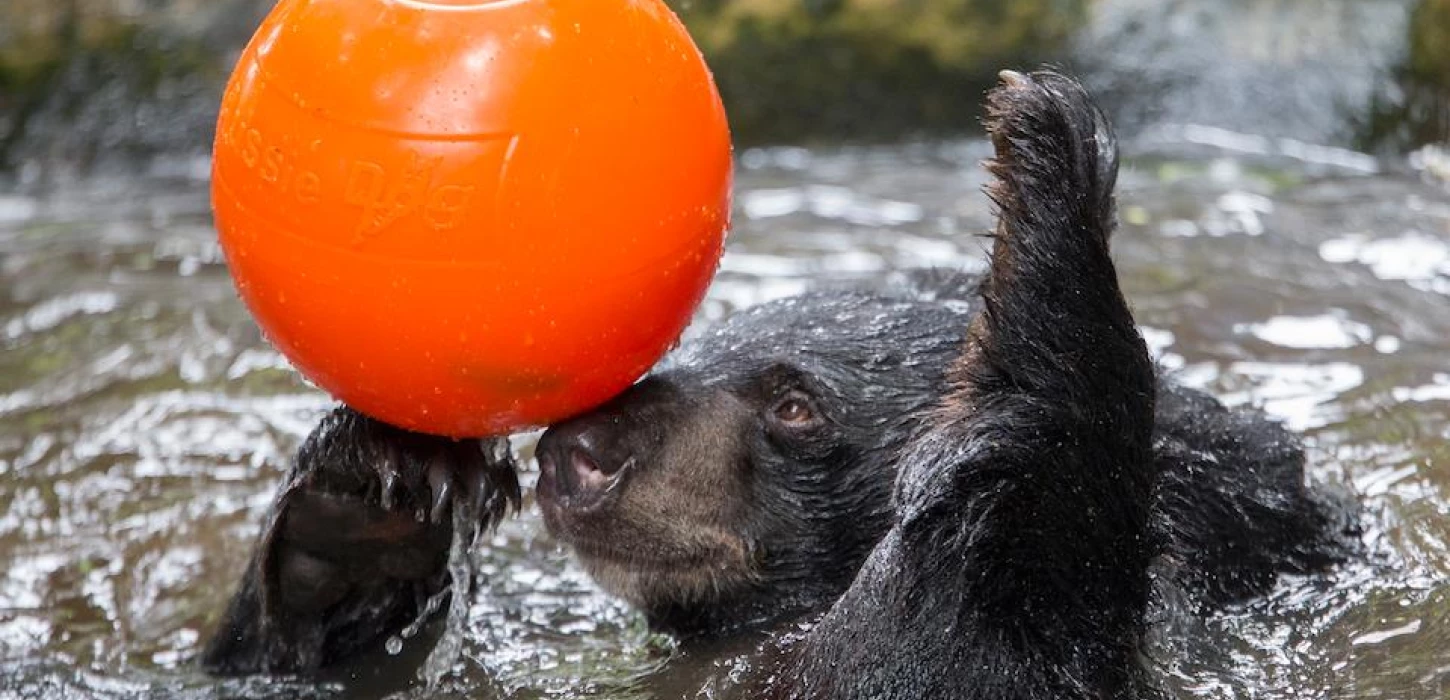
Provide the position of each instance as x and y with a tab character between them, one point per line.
578	463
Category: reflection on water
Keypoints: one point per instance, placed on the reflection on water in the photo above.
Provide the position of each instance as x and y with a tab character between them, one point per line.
1420	260
144	422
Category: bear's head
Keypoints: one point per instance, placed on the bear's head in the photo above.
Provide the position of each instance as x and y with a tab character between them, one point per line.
748	476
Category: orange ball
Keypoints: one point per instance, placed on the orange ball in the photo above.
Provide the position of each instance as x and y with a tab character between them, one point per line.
471	217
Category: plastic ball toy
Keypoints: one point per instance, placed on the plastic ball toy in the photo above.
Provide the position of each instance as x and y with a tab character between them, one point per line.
471	217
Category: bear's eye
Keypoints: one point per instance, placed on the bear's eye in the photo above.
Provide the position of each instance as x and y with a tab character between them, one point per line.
795	410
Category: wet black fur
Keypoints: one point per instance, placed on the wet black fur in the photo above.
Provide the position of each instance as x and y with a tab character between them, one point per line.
354	546
1042	463
1018	563
818	500
1230	509
1034	498
995	468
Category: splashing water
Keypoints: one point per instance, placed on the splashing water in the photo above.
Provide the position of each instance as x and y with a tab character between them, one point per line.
449	649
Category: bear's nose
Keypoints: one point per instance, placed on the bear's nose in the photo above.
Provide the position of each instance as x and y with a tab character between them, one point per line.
578	458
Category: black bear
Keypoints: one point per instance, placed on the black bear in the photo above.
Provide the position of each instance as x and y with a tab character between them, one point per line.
971	482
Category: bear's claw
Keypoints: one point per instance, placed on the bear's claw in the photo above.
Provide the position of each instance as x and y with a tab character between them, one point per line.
356	545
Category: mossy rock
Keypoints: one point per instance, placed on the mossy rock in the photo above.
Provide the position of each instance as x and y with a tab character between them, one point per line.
797	70
1419	112
81	81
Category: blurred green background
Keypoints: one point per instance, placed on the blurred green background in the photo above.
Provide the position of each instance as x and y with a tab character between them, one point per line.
84	82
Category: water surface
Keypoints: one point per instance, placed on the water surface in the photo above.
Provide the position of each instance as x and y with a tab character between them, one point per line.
144	423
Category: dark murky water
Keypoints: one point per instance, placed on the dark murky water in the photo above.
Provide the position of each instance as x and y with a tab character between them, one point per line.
144	423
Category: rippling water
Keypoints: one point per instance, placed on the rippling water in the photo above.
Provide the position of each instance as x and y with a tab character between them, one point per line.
144	423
